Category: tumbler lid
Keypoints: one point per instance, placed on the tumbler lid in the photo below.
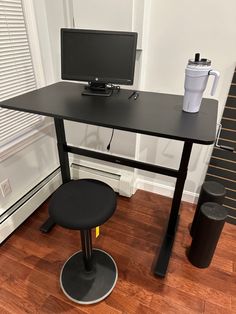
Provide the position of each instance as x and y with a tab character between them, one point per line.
198	61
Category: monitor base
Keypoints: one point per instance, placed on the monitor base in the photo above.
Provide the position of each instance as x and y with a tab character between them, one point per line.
97	89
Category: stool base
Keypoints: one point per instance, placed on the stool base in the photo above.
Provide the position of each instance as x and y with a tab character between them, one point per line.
85	287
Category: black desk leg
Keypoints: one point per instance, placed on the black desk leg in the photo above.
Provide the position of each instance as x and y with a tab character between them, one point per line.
168	241
64	163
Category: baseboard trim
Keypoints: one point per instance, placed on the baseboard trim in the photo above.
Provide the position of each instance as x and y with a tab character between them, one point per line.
20	211
164	190
120	180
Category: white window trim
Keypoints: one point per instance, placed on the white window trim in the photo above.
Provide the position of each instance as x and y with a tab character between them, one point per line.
37	133
30	21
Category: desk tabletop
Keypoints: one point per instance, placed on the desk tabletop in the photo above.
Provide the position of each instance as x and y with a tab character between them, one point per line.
151	113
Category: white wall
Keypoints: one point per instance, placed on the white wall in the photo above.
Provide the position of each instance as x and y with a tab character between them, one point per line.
175	30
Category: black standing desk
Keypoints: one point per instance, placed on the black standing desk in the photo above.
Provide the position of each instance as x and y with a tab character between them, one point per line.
152	114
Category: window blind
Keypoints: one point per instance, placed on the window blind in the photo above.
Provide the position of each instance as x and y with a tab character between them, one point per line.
16	71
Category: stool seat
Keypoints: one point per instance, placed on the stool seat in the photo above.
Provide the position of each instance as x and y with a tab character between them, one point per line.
82	204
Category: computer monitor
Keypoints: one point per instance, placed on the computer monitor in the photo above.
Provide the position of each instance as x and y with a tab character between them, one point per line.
98	57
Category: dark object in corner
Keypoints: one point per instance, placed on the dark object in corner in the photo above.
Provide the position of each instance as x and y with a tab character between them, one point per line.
211	191
211	221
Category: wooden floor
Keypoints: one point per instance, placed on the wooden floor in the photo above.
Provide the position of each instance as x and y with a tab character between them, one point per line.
30	264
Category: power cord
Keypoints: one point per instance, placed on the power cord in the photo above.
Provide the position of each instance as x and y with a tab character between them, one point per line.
109	144
114	87
117	89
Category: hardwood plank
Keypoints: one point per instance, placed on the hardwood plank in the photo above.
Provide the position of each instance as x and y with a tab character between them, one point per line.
180	299
125	304
147	310
233	303
216	279
170	307
4	311
13	304
127	288
9	271
103	307
26	292
222	263
54	305
140	276
194	288
216	309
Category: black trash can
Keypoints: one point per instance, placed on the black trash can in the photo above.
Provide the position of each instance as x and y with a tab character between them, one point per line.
211	191
211	221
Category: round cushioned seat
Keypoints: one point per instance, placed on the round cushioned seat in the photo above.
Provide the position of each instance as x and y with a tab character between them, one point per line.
82	204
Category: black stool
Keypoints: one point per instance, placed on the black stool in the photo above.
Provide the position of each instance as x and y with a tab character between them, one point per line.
211	221
89	275
211	191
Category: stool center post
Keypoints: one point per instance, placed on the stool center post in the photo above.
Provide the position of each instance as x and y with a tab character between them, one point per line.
86	241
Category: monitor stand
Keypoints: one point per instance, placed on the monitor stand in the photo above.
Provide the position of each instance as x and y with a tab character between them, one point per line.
97	89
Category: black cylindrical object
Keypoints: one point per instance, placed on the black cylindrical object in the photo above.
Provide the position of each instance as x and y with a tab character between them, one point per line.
211	220
86	242
211	191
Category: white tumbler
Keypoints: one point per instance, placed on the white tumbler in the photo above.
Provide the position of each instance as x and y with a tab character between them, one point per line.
196	77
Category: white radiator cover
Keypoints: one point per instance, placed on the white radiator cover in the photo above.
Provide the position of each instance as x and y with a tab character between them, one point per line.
122	181
19	212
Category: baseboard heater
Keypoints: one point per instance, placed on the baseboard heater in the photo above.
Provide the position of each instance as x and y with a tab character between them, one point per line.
22	209
119	179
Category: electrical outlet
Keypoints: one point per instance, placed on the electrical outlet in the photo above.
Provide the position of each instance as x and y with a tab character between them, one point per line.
5	187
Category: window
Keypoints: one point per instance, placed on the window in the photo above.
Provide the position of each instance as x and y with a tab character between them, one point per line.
16	71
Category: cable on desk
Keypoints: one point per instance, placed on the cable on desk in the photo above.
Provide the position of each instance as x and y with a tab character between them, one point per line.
109	144
114	87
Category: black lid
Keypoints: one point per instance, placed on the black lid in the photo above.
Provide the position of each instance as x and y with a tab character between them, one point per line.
214	211
198	61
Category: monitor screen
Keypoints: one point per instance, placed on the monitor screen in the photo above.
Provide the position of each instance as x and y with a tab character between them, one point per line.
98	56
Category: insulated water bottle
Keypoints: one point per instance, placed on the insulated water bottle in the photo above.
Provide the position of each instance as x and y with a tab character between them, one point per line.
196	77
